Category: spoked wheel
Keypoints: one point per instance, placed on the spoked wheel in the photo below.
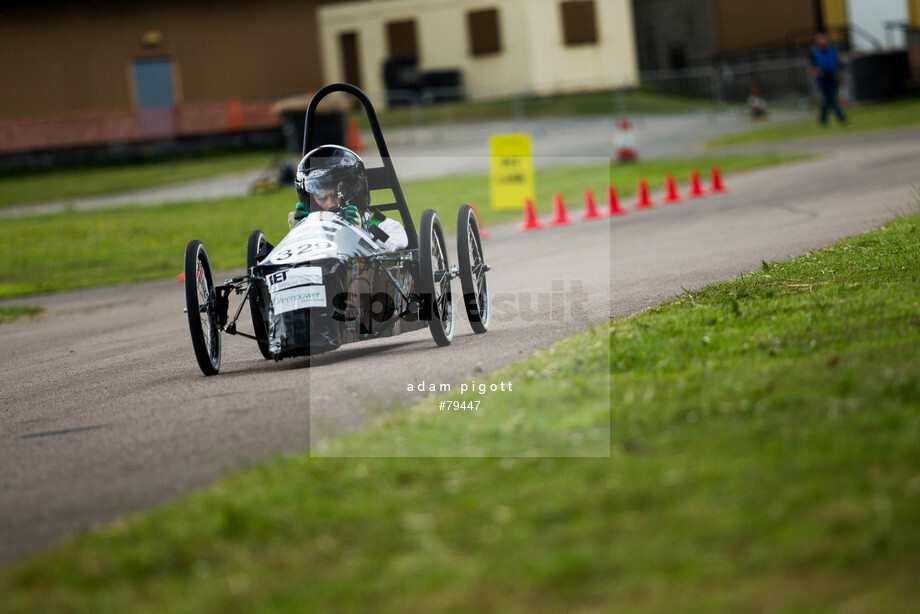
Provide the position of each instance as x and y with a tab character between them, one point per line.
201	306
435	277
256	249
473	270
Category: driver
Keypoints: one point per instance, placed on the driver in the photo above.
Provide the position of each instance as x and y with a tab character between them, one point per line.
333	178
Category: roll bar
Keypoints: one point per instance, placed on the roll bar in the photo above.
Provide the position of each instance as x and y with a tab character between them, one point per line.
378	178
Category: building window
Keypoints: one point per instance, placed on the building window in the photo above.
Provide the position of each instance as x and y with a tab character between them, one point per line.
351	68
677	56
484	32
579	26
402	40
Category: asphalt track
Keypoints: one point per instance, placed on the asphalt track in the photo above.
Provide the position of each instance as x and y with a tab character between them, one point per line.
103	410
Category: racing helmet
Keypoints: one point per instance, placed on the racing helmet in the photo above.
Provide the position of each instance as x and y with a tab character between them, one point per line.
336	169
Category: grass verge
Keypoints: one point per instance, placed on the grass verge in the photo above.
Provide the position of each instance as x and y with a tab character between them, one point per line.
8	314
51	253
19	187
44	185
764	456
862	118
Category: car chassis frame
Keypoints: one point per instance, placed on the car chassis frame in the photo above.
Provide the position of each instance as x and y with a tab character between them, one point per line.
414	289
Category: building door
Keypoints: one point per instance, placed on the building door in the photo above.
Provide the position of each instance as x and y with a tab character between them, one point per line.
153	82
351	65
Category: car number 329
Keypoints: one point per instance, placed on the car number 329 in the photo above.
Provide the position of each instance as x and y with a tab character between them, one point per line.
301	249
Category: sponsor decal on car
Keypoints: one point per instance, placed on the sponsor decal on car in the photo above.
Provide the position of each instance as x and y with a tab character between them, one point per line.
294	299
291	278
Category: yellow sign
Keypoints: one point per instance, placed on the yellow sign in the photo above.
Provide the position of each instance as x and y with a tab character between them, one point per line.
511	179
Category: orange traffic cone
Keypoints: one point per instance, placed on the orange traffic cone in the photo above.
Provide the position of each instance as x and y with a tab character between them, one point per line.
671	195
354	135
591	212
482	231
613	203
644	201
560	216
530	217
716	180
180	278
696	190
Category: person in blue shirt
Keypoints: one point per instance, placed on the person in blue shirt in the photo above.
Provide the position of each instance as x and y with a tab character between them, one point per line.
825	67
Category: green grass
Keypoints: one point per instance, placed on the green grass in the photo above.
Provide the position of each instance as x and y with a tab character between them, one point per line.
44	185
8	314
76	250
765	445
554	404
601	103
862	118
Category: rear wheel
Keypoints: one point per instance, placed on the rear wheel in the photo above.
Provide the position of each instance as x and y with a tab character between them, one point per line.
201	307
473	270
435	277
256	249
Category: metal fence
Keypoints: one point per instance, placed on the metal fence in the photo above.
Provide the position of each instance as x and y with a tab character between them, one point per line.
785	80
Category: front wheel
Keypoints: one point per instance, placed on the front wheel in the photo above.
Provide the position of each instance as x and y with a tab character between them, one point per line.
256	249
435	277
473	270
201	307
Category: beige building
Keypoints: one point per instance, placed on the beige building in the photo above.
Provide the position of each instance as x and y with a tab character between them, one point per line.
498	47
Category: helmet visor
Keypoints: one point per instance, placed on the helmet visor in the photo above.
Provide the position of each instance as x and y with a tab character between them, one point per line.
320	183
323	193
319	186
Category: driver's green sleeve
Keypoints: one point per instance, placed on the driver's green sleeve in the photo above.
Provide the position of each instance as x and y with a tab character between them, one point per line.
376	219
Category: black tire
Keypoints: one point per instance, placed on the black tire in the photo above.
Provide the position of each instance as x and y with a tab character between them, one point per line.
256	249
473	270
434	278
201	307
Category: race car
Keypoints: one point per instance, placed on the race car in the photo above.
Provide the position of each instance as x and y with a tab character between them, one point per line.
332	281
